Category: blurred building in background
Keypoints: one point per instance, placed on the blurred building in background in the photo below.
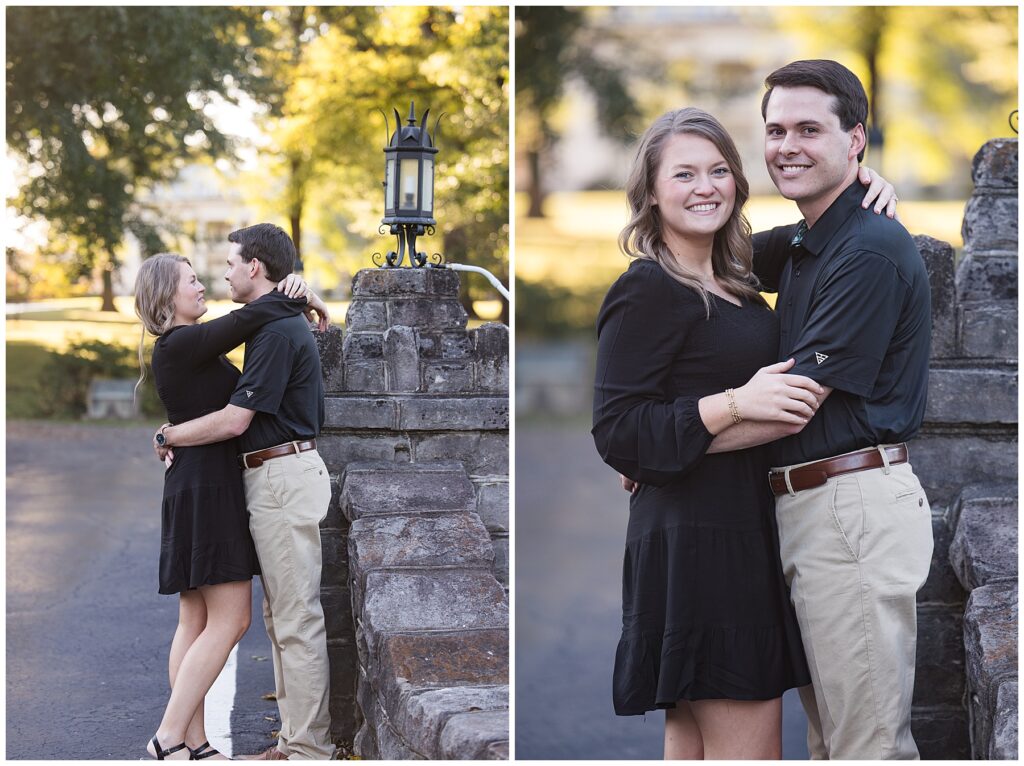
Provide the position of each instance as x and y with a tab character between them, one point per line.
713	58
198	209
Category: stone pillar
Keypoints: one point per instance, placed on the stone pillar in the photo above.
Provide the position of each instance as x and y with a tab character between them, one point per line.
416	437
966	457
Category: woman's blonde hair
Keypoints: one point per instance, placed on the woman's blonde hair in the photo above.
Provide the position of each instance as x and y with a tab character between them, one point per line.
732	251
155	288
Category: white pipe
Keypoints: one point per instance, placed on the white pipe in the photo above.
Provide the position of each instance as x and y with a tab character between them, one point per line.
490	277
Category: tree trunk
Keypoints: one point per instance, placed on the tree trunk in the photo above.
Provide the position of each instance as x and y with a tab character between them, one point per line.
875	27
108	289
295	219
536	186
297	16
295	212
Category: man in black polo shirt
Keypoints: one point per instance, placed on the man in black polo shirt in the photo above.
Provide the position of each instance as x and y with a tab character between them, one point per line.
277	410
854	524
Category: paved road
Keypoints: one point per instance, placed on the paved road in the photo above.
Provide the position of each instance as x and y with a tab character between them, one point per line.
87	632
570	521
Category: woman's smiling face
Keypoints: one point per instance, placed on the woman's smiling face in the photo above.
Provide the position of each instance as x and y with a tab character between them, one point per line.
694	188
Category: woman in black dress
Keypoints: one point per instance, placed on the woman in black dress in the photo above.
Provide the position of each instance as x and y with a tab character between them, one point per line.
206	552
686	348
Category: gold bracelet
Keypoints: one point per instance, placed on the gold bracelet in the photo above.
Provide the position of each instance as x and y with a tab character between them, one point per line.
731	397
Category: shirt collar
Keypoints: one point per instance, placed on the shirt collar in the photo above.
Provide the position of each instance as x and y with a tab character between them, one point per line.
818	236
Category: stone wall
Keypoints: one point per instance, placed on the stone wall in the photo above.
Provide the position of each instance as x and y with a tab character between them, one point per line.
965	701
416	541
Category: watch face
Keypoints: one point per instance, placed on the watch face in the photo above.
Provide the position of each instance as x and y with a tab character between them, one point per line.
161	439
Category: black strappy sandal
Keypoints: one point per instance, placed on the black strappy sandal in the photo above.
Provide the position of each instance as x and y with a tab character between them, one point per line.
205	750
162	754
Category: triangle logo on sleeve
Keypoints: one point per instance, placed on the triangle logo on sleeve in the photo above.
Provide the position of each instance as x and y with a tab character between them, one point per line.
248	394
820	357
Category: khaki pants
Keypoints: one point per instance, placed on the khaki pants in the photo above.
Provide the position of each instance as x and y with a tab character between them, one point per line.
288	498
855	552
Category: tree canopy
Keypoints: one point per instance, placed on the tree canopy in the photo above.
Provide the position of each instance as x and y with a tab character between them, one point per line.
105	101
347	66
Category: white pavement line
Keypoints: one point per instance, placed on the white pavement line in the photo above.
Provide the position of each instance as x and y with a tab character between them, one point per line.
220	701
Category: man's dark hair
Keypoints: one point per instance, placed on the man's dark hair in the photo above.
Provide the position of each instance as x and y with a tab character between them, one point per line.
270	245
851	104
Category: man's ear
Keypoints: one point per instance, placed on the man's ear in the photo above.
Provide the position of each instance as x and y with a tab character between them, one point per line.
858	140
254	268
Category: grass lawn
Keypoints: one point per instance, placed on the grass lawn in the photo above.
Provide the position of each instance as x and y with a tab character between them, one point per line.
50	326
45	327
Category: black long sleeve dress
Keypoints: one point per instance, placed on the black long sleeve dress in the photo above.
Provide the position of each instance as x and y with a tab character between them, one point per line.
705	609
204	537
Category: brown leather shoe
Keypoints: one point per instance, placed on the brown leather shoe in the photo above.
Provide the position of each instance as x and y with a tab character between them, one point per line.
270	754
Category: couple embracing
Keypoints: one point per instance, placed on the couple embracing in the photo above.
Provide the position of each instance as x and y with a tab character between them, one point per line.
777	534
245	490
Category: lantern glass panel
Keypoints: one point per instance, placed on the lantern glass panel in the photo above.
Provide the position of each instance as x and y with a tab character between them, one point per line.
409	177
428	185
389	187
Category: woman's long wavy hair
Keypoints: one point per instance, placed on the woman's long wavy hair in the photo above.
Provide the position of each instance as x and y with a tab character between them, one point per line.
155	288
732	251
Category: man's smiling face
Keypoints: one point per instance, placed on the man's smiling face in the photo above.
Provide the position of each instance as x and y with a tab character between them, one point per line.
809	156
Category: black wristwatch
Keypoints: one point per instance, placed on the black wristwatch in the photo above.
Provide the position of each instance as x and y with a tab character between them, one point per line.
161	440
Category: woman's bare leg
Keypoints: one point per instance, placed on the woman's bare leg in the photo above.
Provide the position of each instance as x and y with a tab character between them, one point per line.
227	619
683	741
740	729
191	622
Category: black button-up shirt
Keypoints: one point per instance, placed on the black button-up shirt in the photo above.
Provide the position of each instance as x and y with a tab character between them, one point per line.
855	311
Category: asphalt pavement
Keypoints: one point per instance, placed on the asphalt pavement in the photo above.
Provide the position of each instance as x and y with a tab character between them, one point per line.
87	632
570	523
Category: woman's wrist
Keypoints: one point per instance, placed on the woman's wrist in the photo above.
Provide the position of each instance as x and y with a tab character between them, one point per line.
714	411
730	397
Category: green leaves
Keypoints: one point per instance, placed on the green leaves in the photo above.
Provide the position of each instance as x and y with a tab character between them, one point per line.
102	101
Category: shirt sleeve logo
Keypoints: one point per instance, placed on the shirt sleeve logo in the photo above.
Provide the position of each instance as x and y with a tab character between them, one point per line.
820	357
248	394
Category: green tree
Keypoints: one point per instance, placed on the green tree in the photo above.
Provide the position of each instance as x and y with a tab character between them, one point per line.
329	135
103	102
552	47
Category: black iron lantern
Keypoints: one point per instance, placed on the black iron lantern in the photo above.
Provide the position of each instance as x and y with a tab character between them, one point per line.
409	187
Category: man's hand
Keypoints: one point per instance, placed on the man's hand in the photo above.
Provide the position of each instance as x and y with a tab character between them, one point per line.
880	191
628	484
294	286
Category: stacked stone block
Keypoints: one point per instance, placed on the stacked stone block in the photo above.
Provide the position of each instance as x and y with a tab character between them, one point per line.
432	620
417	404
966	457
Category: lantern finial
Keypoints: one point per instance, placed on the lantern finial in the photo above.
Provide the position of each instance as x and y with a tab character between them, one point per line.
409	186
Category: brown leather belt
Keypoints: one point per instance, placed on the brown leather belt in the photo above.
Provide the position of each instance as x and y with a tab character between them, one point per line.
256	459
815	474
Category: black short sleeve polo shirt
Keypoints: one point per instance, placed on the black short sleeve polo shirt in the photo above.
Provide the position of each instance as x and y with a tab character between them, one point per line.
855	312
282	382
